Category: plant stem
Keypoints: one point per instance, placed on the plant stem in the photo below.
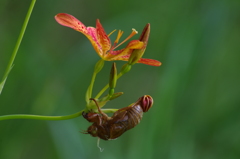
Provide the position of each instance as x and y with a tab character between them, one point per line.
125	68
14	53
89	90
106	87
98	67
40	117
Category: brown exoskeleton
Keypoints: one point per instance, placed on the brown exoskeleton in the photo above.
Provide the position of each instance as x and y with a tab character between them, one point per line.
108	128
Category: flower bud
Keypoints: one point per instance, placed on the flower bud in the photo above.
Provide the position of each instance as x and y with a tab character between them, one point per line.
138	53
113	76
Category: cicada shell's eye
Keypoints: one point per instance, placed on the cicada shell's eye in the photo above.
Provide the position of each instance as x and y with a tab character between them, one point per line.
92	130
147	102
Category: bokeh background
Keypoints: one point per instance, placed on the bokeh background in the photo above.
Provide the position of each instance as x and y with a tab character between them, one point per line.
196	113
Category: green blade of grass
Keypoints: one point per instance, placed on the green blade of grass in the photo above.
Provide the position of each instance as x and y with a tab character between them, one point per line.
14	53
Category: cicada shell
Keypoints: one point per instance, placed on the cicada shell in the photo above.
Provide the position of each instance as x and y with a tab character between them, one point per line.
108	128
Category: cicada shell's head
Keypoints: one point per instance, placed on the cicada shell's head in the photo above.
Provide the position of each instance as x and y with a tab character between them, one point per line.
92	130
98	131
146	102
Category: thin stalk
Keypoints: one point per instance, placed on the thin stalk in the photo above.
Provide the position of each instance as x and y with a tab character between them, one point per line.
98	67
89	90
41	117
106	87
14	53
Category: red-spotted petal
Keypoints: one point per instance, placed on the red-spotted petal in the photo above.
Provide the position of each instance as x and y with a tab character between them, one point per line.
151	62
72	22
94	40
90	32
102	37
122	58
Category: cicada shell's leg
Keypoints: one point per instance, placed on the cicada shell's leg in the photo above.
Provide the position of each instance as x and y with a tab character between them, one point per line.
93	117
99	110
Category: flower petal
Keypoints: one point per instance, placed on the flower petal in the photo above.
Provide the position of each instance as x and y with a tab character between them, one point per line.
102	37
94	40
122	58
134	44
151	62
90	32
72	22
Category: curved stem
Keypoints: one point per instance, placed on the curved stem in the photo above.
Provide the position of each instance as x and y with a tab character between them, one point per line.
98	67
40	117
14	53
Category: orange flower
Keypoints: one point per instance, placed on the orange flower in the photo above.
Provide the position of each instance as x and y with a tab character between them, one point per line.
101	42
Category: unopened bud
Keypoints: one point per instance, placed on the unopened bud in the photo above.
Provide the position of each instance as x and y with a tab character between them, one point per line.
138	53
113	76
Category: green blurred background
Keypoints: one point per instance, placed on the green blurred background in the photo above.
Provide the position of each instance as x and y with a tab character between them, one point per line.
196	90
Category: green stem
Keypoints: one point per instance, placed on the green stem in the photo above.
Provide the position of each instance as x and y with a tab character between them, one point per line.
125	68
98	67
89	90
40	117
106	87
14	53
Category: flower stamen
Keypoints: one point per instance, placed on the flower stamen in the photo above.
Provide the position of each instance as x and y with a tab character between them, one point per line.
134	32
120	33
111	33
